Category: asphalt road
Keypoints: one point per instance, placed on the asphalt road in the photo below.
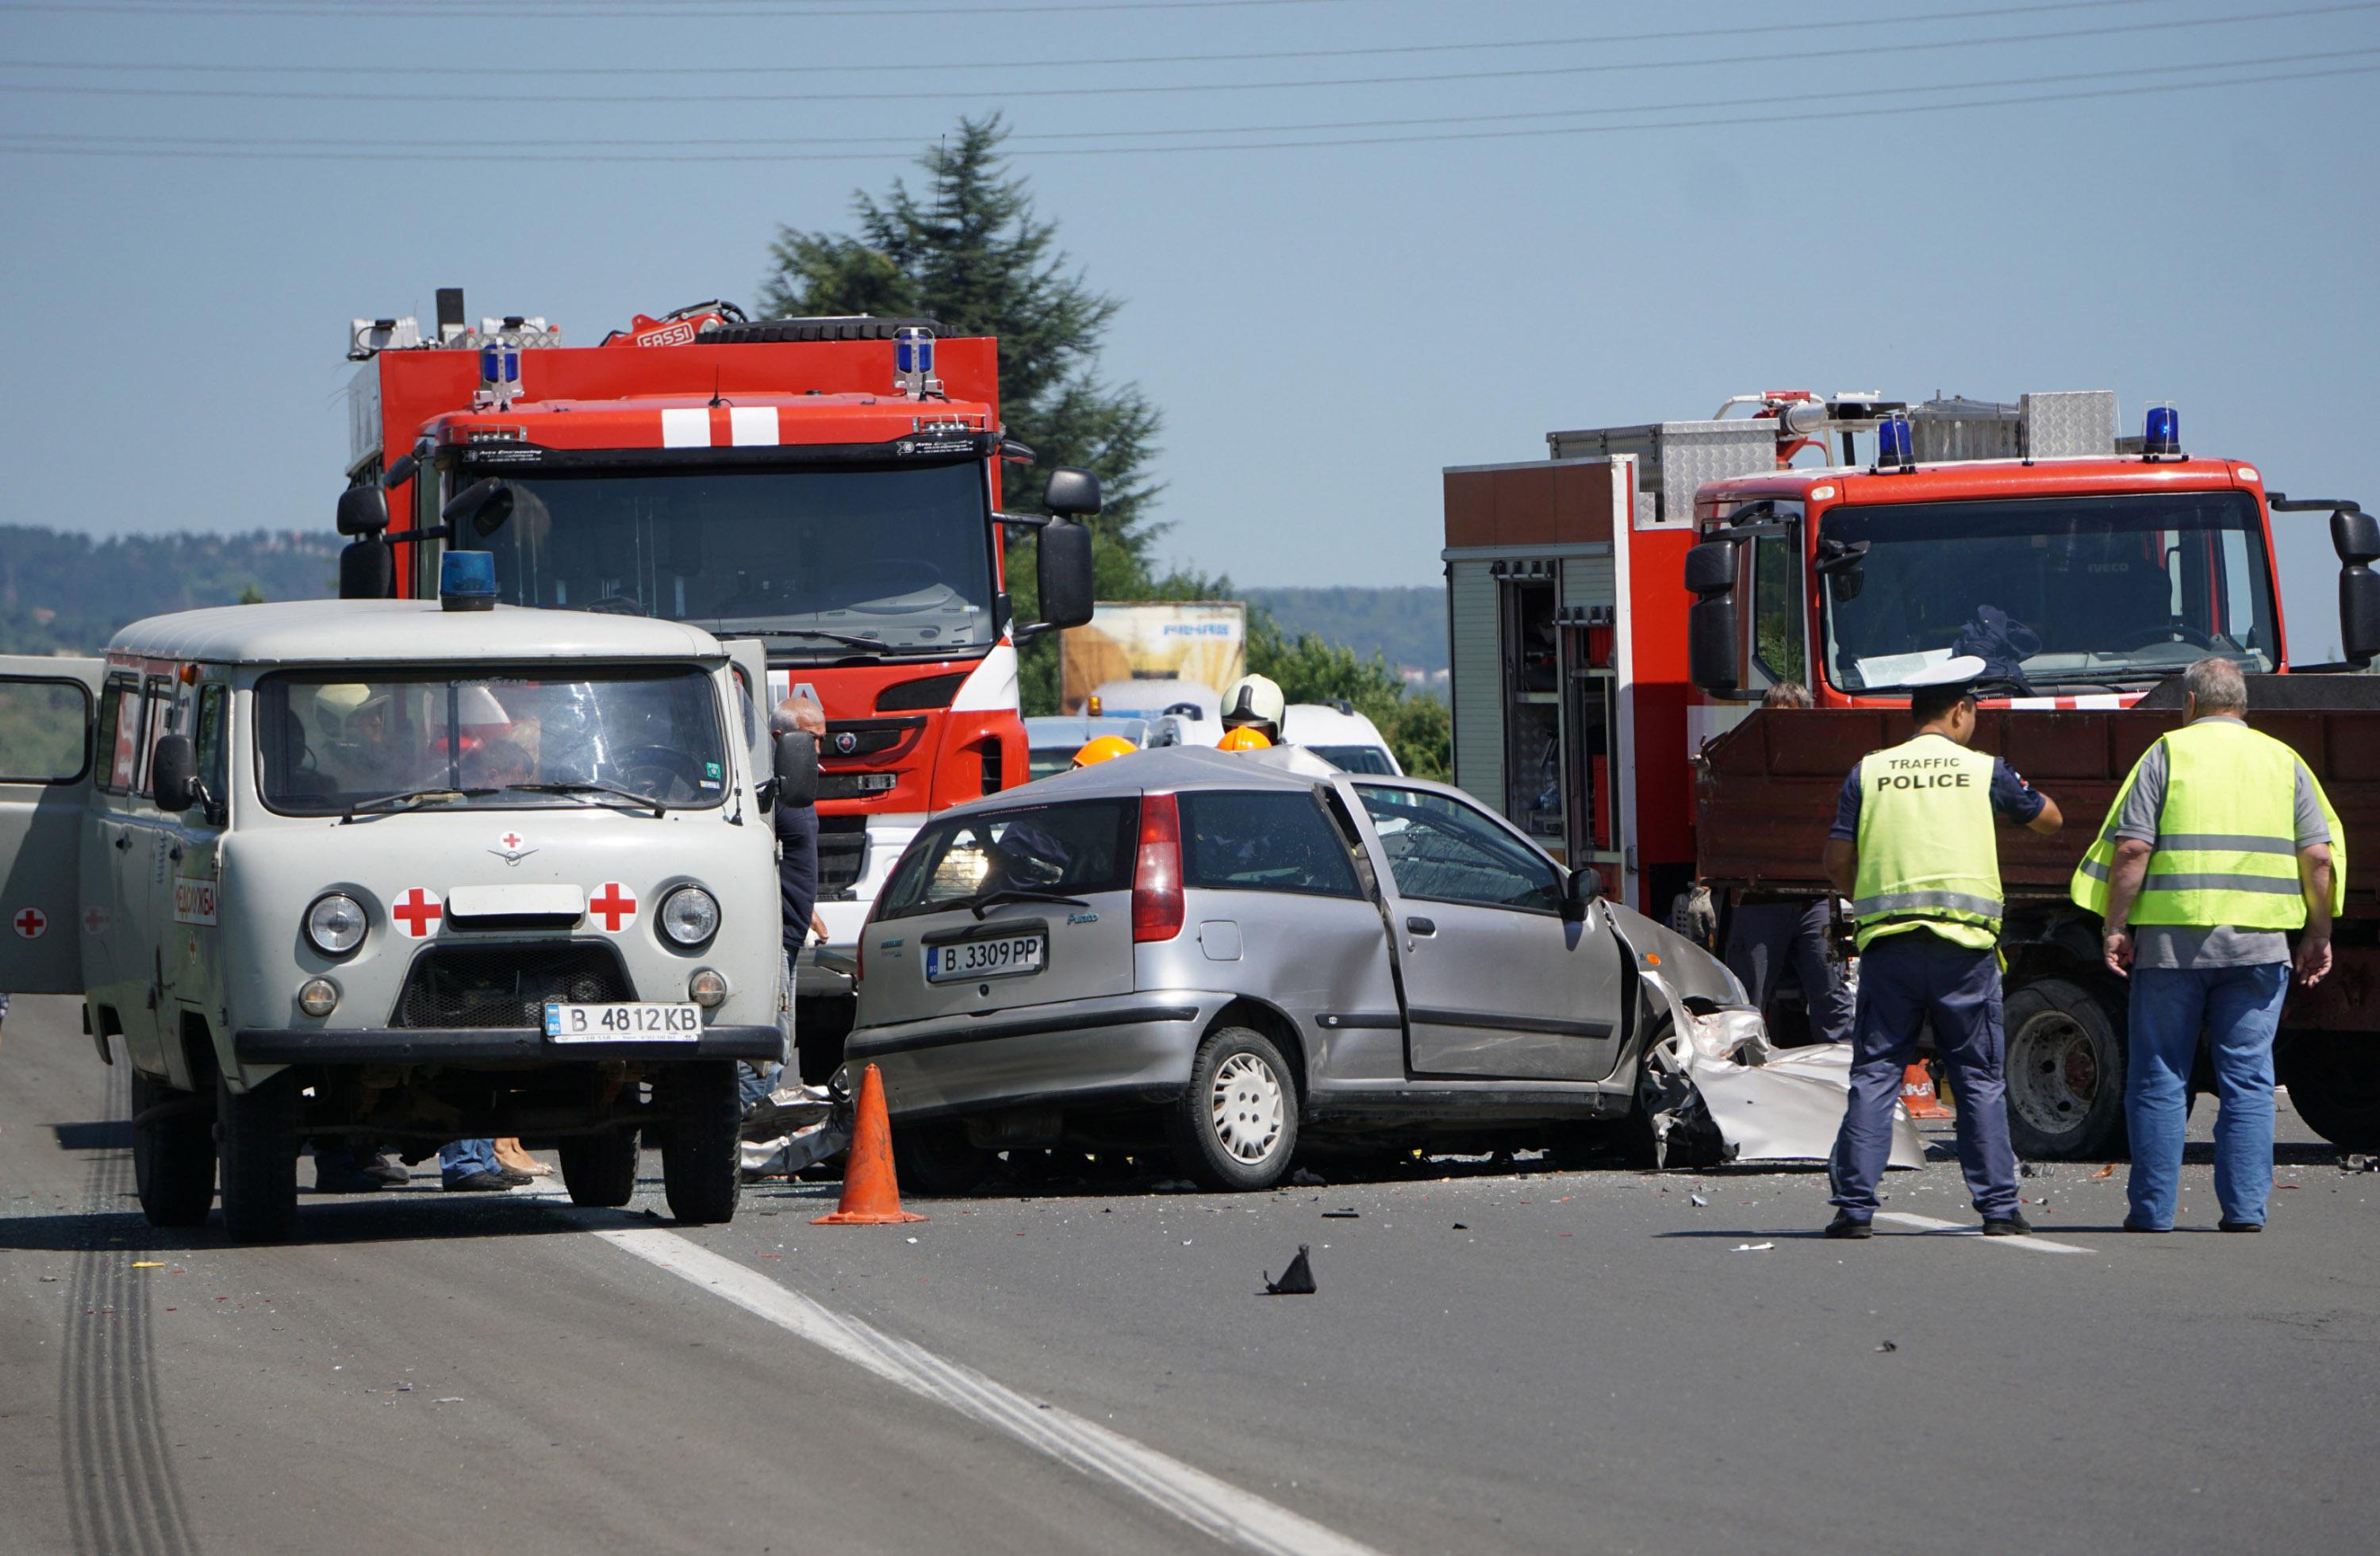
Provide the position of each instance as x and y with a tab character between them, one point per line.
1516	1360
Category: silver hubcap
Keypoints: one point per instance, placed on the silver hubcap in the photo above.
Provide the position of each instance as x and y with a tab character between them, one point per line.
1245	1107
2053	1072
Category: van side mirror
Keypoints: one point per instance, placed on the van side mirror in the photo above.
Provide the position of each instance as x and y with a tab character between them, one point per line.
797	769
1579	892
367	570
363	510
1710	621
174	773
1062	569
1072	493
2355	534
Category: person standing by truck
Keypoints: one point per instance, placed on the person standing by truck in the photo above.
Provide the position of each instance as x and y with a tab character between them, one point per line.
1764	937
1912	847
2220	844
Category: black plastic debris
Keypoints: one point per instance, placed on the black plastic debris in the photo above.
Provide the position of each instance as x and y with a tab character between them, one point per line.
1295	1281
1887	1346
1347	1213
1461	1226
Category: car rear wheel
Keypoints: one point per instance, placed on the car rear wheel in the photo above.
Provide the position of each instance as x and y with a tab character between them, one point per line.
702	1160
173	1159
257	1135
599	1170
2065	1073
1236	1124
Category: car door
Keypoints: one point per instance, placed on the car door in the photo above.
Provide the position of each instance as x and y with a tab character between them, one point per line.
186	911
1497	984
749	658
47	712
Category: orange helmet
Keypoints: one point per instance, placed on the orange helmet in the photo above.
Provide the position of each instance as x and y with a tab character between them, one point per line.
1244	738
1105	746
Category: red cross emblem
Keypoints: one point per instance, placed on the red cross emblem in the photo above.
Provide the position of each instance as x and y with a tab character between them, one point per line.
30	923
614	905
510	840
417	913
93	920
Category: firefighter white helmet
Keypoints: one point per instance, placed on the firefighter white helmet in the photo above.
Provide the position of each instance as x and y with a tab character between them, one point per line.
1254	699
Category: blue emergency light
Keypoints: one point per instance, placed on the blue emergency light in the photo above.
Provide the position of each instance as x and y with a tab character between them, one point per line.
913	351
500	373
1893	447
2162	436
466	580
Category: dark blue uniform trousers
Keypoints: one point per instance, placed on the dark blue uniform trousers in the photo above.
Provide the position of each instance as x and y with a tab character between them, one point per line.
1904	979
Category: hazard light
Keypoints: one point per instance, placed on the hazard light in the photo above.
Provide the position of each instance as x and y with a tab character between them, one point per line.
2161	437
913	361
1893	444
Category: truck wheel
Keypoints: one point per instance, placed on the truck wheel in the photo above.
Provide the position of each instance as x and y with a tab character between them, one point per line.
172	1160
936	1161
2334	1081
703	1160
2065	1070
1236	1125
599	1170
257	1135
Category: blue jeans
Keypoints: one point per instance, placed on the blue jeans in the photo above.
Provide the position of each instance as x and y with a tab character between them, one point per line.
1906	981
2238	1008
1763	938
458	1160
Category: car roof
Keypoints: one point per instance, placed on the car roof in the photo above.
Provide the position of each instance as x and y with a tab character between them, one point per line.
1319	724
385	631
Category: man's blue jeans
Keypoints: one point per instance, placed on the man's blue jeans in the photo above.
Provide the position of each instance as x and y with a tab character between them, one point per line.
2238	1008
458	1160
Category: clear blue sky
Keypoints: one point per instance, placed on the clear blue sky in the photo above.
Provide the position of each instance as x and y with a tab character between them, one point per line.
1324	327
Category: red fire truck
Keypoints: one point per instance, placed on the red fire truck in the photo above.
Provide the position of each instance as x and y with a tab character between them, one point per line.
830	486
1619	609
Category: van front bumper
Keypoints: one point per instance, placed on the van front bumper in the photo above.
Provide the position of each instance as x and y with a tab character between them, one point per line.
1125	1050
484	1045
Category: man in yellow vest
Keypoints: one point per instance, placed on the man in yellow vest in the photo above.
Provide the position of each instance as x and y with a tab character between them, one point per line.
1912	847
2218	844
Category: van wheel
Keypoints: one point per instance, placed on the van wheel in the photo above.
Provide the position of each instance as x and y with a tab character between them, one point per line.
599	1170
257	1139
702	1160
1236	1125
2065	1073
936	1161
174	1160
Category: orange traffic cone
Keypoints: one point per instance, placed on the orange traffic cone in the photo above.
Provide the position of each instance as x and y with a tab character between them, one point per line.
1917	1093
870	1196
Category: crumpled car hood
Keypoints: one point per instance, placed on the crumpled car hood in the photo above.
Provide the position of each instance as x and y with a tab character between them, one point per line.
1717	1090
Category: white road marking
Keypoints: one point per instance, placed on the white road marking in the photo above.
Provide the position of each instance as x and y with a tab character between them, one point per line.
1928	1224
1201	1500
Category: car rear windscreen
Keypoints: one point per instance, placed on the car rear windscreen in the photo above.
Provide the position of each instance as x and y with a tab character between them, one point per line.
1072	849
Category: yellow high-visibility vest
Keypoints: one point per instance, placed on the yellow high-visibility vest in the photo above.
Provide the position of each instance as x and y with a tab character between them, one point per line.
1927	858
2227	837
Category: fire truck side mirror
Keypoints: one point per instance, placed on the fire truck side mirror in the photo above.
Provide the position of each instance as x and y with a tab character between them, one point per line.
2355	536
363	510
485	504
400	470
1710	622
797	769
1072	493
367	570
1063	572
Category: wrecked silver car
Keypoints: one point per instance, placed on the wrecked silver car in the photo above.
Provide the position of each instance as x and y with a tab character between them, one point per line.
1228	953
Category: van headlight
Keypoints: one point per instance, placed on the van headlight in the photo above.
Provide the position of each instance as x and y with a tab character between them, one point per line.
335	924
689	916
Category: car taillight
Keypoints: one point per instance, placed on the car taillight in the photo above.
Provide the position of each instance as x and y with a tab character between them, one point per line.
1157	875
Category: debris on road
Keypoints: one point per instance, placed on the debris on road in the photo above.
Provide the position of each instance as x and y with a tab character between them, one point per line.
1295	1281
1347	1213
1888	1347
1752	1247
2106	1171
1459	1226
1698	1199
2359	1163
1306	1178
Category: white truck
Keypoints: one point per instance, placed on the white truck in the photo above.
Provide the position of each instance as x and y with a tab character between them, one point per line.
384	872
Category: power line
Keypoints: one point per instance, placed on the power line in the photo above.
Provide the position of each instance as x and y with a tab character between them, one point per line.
1734	100
1673	35
1600	68
180	150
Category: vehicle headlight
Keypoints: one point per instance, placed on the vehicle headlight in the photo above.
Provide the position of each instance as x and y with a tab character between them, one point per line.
689	916
335	924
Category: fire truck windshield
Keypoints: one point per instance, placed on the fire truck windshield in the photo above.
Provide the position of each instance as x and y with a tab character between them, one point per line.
892	555
2100	591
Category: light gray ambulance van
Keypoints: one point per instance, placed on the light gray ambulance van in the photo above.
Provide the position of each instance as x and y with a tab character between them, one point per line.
395	871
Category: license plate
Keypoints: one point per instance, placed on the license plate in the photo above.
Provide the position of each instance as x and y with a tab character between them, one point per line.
600	1024
1005	956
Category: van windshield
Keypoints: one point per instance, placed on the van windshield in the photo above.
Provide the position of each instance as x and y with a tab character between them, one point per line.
329	742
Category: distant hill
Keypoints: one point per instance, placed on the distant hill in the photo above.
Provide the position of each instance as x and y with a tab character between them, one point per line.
68	593
1407	626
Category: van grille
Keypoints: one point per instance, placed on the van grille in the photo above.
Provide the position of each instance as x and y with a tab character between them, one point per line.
842	854
506	985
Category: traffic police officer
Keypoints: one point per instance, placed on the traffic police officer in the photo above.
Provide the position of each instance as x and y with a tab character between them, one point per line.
2219	844
1912	847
